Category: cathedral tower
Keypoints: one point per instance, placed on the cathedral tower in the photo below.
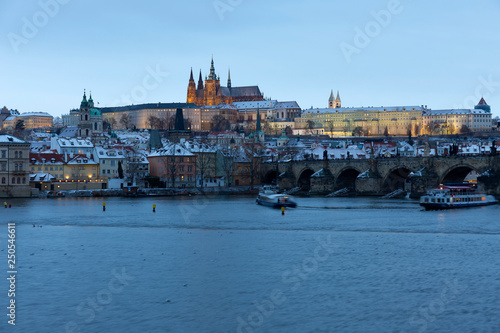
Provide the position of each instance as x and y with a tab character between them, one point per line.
84	123
191	95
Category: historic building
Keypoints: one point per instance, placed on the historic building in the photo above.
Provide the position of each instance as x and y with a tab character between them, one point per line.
212	93
334	103
14	164
90	118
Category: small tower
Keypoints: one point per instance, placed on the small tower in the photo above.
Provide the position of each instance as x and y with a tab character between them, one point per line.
200	82
259	135
229	79
338	103
84	123
482	105
191	93
331	101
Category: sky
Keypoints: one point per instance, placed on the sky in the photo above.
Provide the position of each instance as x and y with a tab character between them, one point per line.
443	54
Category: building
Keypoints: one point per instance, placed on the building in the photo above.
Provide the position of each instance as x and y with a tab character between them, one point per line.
47	163
72	118
109	160
72	146
140	116
174	165
456	121
212	93
334	103
90	118
359	121
36	120
14	161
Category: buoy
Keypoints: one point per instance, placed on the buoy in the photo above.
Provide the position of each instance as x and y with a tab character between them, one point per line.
5	204
10	206
282	210
154	208
103	206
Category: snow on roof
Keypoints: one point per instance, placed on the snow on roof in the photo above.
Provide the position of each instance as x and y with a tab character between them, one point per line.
377	109
172	150
255	104
75	142
41	177
35	114
287	105
455	111
10	139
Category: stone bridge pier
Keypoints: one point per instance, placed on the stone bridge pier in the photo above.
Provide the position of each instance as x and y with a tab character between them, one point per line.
383	175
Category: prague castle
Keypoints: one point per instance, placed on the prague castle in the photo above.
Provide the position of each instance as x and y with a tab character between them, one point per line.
212	93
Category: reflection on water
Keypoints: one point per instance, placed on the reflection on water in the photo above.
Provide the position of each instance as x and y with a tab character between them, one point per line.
225	264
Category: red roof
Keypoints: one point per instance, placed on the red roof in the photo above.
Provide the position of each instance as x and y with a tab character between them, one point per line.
482	102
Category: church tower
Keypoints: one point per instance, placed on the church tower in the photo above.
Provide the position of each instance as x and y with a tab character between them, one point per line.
212	88
229	79
331	101
84	123
338	103
191	95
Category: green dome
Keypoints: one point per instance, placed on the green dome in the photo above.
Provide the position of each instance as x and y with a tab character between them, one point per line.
95	112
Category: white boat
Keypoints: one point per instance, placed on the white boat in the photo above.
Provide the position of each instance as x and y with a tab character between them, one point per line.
449	196
270	197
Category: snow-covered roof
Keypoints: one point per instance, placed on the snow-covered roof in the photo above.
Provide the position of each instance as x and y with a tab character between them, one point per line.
10	139
35	114
75	142
255	104
41	177
287	105
376	109
172	149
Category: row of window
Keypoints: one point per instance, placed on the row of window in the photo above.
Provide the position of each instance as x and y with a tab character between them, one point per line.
19	179
17	154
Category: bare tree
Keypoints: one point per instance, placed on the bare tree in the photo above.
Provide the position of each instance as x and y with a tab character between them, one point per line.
330	126
219	123
205	162
153	122
227	156
310	127
125	120
464	129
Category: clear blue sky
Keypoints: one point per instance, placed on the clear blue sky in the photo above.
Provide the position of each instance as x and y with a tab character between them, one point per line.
437	53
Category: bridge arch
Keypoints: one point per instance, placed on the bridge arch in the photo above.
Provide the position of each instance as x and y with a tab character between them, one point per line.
270	177
304	179
346	178
396	179
457	173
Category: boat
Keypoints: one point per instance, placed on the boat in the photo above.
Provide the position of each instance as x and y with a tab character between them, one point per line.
448	196
270	197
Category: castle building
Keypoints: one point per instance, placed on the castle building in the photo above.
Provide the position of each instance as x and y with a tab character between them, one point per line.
212	93
90	118
334	103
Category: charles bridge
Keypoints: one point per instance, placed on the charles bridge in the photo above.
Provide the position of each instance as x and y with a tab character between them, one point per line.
381	176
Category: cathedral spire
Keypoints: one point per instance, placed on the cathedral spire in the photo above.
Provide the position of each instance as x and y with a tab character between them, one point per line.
200	82
229	79
191	77
331	99
212	75
338	96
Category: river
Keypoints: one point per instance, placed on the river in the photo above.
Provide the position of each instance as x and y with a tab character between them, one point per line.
224	264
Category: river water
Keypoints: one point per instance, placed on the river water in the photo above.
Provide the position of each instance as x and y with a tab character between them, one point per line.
224	264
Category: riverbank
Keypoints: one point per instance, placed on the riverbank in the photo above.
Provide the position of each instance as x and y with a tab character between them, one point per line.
147	192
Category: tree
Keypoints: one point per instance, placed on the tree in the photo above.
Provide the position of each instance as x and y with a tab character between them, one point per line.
112	123
227	155
125	121
205	162
120	170
386	132
153	122
358	131
464	129
19	128
330	126
410	140
310	127
288	130
219	123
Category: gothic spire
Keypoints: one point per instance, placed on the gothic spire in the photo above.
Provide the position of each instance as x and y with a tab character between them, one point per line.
191	77
200	82
338	96
331	99
212	75
229	79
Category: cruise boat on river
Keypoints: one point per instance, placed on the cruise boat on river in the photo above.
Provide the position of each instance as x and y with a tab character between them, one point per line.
270	197
449	196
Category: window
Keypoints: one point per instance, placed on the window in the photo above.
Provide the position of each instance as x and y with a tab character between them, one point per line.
3	180
15	154
13	180
113	163
20	154
15	166
4	154
24	180
20	167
